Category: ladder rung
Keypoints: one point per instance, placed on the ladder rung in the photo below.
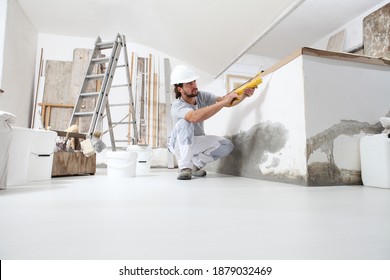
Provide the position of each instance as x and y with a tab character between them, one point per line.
100	59
95	77
123	85
105	45
117	123
122	141
119	104
89	94
84	114
120	66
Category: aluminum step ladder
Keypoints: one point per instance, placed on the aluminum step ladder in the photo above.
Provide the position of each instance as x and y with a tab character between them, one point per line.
101	108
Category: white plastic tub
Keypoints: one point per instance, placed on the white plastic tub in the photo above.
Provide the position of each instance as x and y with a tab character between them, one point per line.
19	153
375	160
144	156
41	155
121	164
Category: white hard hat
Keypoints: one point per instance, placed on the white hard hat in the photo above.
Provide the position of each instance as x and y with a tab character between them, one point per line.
182	74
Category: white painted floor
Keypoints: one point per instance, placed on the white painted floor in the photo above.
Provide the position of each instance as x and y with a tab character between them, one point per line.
221	217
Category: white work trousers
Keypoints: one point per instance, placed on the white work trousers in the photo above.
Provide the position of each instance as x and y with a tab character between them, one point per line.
196	151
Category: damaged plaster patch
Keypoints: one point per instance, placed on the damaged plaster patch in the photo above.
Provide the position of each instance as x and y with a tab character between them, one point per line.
329	173
317	156
344	151
255	151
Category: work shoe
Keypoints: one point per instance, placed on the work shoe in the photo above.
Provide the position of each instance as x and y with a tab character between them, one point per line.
185	174
197	172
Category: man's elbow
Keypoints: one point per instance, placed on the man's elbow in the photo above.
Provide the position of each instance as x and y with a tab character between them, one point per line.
193	119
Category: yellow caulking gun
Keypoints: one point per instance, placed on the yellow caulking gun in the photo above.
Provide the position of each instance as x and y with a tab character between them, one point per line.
251	83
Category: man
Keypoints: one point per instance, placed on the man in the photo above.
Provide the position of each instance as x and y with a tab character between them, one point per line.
188	142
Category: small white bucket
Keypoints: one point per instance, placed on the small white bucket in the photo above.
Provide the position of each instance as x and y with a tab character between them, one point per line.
375	160
121	164
144	157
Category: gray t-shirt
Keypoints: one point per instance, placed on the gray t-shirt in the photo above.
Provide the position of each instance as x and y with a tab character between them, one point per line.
180	108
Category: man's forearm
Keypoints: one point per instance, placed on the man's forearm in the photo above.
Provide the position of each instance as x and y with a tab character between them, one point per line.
205	113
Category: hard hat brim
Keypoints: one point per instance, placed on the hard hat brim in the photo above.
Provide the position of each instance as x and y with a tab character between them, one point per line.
183	81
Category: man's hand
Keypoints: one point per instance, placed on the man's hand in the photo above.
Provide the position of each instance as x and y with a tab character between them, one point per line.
229	98
249	91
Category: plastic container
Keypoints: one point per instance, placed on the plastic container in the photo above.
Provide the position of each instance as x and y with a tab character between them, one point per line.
144	156
41	155
19	154
6	137
121	164
375	160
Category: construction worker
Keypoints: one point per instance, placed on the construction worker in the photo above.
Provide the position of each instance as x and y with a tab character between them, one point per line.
188	142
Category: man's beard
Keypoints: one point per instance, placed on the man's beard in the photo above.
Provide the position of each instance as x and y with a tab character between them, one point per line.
193	93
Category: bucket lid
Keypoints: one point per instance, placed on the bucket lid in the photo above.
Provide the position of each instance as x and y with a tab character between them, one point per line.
139	148
122	154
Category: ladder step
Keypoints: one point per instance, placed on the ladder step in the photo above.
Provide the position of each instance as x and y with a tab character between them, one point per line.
89	94
105	45
83	114
100	59
95	77
123	85
119	104
121	141
120	66
117	123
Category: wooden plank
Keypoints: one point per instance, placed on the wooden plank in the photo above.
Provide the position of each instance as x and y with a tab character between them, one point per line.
57	90
155	111
37	90
162	125
167	73
336	42
149	97
328	54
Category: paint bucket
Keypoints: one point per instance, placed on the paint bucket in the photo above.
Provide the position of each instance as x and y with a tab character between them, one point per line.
144	156
375	160
121	164
42	154
19	154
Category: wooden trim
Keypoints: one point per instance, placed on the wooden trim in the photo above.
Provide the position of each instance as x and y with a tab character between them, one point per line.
328	54
282	62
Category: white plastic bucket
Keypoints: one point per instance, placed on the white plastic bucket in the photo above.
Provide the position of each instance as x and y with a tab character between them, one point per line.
375	160
19	154
144	156
41	156
121	164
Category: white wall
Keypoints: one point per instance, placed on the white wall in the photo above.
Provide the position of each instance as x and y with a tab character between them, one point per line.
279	99
3	17
354	31
20	44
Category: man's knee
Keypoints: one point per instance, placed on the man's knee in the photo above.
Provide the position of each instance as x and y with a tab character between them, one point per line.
229	146
225	148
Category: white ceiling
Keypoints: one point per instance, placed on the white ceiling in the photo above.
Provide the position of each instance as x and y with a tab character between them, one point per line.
209	34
